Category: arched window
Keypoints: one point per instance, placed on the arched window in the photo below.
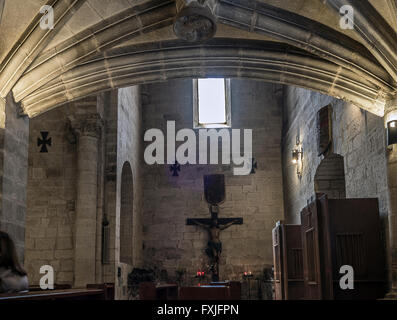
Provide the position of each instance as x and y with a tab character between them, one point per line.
126	214
330	177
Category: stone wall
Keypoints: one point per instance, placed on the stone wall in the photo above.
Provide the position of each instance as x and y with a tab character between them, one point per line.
109	102
14	140
51	198
52	221
129	149
52	187
168	201
358	136
330	177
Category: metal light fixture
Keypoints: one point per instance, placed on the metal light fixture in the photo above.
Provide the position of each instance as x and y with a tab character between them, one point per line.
392	132
297	157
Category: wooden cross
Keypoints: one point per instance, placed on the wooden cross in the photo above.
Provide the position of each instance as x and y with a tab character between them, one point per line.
207	221
214	226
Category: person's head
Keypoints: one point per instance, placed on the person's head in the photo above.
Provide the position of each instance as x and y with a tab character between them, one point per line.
8	254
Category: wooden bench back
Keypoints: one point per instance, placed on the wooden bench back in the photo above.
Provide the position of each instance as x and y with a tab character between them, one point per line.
92	292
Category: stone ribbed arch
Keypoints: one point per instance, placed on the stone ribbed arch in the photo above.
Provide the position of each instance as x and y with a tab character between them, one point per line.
32	42
247	15
1	8
135	21
272	62
378	36
296	30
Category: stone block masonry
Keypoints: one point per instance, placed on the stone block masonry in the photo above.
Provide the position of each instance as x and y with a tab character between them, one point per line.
14	141
168	243
358	136
50	219
129	149
76	182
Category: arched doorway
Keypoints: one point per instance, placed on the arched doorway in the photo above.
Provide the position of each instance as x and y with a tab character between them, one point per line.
126	214
330	177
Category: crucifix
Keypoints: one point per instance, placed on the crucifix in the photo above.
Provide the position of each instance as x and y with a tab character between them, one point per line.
214	190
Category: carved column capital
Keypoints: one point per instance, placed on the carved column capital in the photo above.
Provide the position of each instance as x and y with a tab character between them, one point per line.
391	105
391	110
195	20
87	125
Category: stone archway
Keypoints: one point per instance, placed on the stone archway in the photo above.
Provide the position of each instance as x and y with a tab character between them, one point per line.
46	69
155	62
126	215
330	177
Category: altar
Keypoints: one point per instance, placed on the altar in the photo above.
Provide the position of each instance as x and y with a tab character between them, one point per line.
230	290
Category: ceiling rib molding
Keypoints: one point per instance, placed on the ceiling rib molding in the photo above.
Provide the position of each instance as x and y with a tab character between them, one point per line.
1	8
135	21
393	9
32	42
309	35
243	14
271	62
379	38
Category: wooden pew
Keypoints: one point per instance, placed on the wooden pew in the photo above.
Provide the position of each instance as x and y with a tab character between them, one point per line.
56	287
92	292
149	291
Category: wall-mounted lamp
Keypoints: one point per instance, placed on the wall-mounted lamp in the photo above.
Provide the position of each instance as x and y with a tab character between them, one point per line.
297	157
392	132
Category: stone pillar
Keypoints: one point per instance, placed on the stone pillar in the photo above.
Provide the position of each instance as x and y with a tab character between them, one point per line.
14	148
195	20
88	130
391	114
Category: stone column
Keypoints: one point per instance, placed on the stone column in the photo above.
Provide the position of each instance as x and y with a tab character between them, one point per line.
88	130
391	114
14	149
195	20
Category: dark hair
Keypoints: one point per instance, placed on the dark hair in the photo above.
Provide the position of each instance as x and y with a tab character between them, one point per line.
8	255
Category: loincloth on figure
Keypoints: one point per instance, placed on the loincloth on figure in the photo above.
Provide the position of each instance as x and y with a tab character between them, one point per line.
217	246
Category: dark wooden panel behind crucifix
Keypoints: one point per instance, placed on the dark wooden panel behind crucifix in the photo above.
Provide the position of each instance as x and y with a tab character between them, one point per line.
214	190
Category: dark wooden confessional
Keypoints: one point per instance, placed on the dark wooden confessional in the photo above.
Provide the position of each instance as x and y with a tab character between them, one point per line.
288	263
334	232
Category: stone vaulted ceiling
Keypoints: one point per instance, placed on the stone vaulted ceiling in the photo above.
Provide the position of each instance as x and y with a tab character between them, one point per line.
97	45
